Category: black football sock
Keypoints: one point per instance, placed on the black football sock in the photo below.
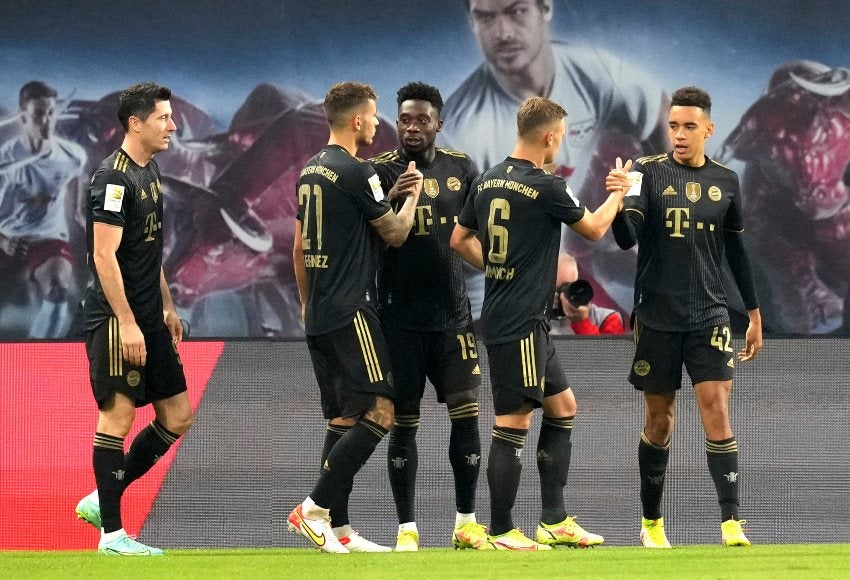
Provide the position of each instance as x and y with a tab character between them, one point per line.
339	505
150	444
109	474
402	464
465	455
504	468
345	459
652	461
723	467
553	462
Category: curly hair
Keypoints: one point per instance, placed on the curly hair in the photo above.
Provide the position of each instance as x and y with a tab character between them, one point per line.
419	91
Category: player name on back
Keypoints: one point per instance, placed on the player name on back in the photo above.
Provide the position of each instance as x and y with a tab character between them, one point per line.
499	272
320	170
509	184
315	261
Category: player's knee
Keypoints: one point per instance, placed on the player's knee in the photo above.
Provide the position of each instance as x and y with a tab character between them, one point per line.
716	409
181	425
517	420
562	404
382	412
463	398
185	424
659	427
115	416
178	421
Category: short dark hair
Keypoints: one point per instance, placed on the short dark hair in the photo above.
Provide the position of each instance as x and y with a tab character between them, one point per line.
537	112
345	96
139	101
692	97
419	91
35	90
539	4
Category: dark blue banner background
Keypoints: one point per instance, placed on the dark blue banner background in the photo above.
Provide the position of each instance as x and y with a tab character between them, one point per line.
247	76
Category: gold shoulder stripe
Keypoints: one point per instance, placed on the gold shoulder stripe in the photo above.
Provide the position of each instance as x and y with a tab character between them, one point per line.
385	157
652	158
121	162
453	152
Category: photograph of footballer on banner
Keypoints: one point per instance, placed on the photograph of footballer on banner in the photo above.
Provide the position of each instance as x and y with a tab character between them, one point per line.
248	108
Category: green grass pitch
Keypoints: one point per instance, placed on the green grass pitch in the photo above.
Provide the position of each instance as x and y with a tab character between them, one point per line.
822	561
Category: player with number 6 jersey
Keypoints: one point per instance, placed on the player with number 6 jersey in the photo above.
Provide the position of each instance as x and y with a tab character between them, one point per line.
517	209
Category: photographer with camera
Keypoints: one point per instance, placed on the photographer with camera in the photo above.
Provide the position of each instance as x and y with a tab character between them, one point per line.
572	310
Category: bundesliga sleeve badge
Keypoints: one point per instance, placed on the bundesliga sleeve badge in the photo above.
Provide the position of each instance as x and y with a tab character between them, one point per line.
377	190
114	197
635	180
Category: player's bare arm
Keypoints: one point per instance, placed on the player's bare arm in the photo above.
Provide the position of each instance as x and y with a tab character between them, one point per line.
107	238
300	268
395	227
595	224
753	337
466	243
169	311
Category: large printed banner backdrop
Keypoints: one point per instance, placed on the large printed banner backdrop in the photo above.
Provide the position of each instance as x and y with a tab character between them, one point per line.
248	79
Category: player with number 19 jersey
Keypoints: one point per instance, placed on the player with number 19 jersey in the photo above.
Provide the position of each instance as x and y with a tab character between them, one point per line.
431	296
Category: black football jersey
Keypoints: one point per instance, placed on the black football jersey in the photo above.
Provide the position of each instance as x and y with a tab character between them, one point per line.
421	284
338	195
680	214
128	196
517	210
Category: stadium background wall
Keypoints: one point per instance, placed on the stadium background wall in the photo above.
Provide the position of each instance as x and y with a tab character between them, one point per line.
253	451
248	84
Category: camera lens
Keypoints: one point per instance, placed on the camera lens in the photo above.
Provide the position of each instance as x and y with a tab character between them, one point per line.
580	293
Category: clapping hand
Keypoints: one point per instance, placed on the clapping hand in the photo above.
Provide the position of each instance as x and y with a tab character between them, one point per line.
408	183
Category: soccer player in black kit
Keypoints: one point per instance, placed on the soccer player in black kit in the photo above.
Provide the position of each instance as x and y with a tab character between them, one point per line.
684	212
132	328
426	317
517	209
343	217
